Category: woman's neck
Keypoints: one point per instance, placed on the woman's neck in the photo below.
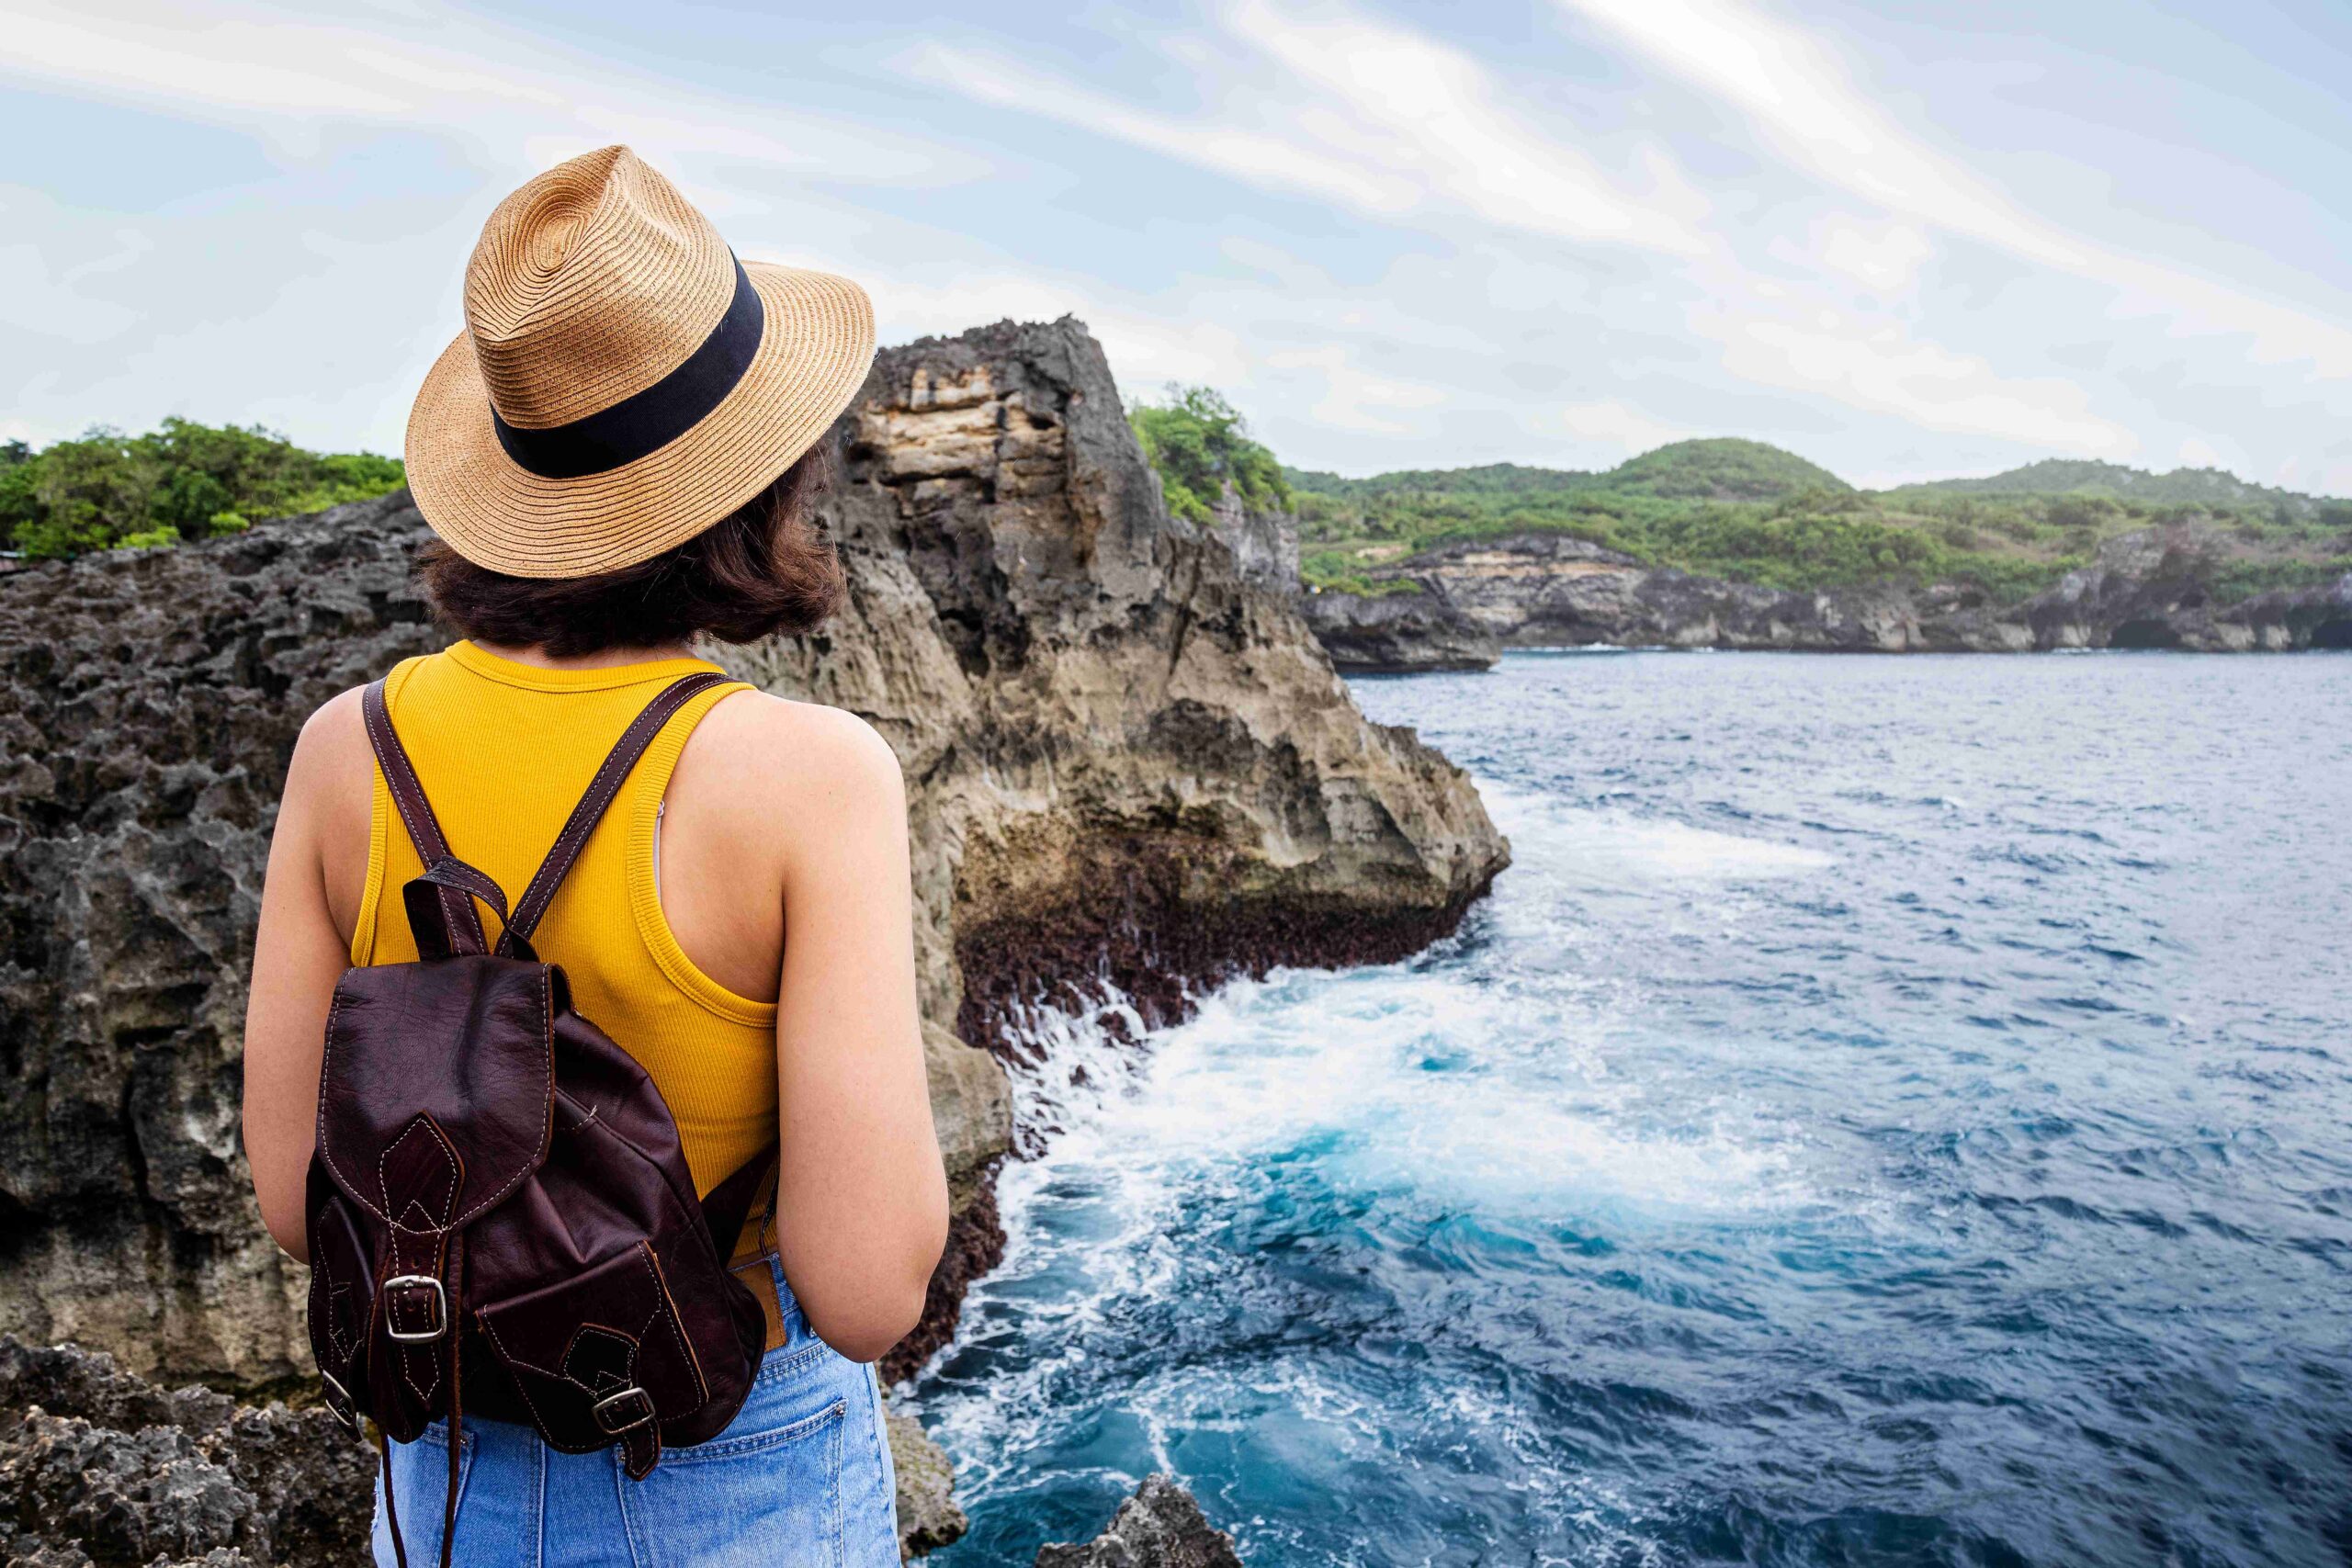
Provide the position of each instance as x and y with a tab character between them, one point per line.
604	659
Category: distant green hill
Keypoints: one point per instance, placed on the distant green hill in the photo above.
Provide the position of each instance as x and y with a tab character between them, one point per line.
1749	511
1720	469
2068	476
1494	479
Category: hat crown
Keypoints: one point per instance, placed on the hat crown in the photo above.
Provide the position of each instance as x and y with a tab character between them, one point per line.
590	283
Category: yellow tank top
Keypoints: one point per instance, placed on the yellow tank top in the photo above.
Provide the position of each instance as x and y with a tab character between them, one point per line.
504	752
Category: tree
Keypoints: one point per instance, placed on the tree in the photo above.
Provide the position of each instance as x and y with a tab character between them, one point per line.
185	480
1198	442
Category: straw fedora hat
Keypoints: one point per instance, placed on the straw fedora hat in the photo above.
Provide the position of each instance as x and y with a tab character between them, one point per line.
623	381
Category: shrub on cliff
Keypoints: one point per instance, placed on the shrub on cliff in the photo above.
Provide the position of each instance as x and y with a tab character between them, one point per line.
1197	444
185	480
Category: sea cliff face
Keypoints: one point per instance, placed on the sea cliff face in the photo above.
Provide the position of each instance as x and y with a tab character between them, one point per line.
2147	590
1126	764
1394	633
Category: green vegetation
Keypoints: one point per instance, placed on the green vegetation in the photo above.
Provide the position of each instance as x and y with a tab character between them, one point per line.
108	490
1198	445
2064	476
1746	511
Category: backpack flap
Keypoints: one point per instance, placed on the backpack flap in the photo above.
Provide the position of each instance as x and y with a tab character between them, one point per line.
600	1357
429	1059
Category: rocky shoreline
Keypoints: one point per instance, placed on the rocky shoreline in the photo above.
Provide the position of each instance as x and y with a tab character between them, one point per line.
102	1468
1128	761
1471	598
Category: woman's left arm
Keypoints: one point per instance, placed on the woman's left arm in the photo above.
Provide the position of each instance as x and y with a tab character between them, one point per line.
297	956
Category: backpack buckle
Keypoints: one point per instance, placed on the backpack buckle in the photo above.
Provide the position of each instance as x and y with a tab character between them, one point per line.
643	1412
339	1403
399	1282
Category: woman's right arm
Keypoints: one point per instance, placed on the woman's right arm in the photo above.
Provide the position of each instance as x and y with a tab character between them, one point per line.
299	955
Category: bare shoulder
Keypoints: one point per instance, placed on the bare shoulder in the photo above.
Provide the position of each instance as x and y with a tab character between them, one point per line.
323	816
770	748
330	751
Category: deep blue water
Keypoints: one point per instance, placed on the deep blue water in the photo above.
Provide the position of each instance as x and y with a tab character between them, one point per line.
1894	1111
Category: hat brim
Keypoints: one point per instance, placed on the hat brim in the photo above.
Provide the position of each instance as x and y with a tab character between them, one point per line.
815	349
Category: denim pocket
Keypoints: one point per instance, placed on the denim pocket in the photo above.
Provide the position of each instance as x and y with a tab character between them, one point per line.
421	1490
768	1490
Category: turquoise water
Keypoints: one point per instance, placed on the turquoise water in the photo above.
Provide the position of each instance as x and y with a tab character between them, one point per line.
1894	1111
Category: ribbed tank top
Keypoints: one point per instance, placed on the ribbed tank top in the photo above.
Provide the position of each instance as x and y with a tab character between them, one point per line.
504	752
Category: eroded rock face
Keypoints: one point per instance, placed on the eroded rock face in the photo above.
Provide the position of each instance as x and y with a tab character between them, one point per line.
98	1465
1397	634
1550	589
1160	1527
1130	761
1124	762
1264	544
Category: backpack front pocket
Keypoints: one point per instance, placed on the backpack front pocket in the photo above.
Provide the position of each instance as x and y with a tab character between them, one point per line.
600	1358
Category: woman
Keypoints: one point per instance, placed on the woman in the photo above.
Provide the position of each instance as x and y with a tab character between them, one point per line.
622	453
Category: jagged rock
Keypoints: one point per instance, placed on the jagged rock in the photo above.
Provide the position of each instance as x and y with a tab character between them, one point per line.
1541	588
1126	765
929	1518
97	1465
1160	1527
1264	544
1397	634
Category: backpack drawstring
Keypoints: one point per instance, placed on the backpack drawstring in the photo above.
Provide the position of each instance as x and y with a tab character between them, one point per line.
456	1402
450	1320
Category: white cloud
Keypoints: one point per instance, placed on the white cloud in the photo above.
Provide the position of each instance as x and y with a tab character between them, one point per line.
1353	397
1431	108
1404	127
457	78
1618	425
1267	161
1874	365
1883	257
1802	100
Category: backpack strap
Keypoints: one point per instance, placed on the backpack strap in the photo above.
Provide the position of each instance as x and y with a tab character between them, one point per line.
460	923
590	810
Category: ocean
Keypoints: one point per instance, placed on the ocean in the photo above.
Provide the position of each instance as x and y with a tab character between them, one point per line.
1893	1111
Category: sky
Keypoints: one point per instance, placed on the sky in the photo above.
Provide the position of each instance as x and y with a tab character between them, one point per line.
1906	242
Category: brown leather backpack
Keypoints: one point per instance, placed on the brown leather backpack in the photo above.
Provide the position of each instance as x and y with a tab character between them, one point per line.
501	1219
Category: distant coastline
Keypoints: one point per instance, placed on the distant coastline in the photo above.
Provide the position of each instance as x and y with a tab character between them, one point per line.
1734	544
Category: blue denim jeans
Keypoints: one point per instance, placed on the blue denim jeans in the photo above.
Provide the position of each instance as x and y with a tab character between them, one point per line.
802	1477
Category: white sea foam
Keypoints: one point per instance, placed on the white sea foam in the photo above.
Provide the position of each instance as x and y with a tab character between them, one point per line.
1582	843
1515	1102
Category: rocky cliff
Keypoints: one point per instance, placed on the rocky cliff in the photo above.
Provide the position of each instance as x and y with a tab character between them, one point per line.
1127	765
2147	590
1264	544
1393	634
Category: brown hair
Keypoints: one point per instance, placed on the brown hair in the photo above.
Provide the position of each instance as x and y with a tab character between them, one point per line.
765	568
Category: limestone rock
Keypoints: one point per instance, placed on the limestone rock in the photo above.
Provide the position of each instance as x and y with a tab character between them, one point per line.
99	1466
1264	544
1544	588
929	1518
1397	634
1160	1527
